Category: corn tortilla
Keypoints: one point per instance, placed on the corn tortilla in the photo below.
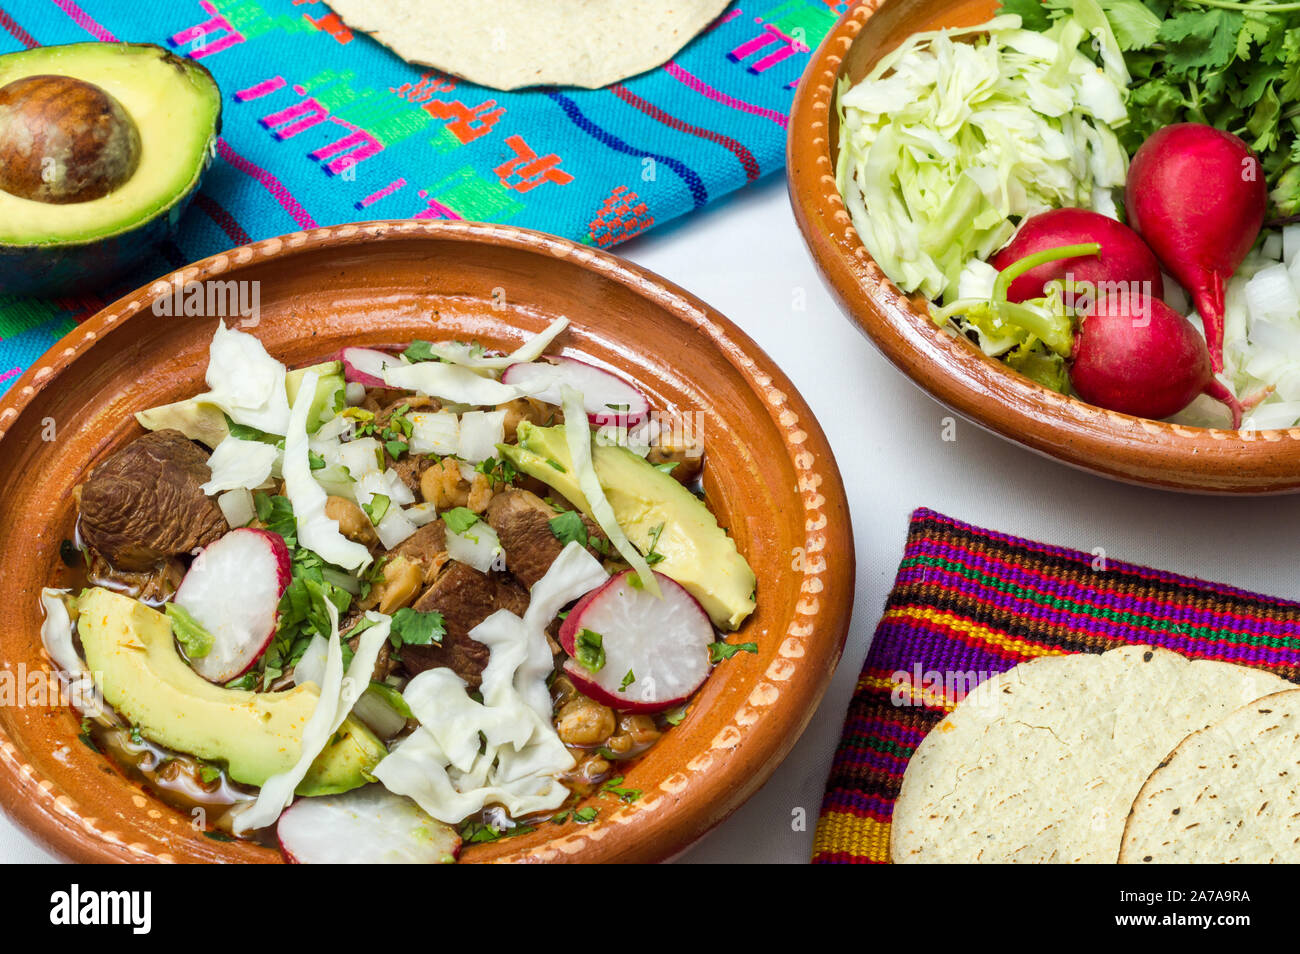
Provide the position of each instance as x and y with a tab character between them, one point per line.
507	44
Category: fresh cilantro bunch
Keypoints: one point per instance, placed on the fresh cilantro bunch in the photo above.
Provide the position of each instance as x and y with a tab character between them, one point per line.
1232	64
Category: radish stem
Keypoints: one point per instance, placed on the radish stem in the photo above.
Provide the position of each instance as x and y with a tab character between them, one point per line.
1020	266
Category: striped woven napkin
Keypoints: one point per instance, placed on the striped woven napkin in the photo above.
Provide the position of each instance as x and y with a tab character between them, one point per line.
971	601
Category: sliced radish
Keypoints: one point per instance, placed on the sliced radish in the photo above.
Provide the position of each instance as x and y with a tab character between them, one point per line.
365	826
609	399
232	589
658	647
366	366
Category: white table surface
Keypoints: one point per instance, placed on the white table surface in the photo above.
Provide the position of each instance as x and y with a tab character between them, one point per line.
744	255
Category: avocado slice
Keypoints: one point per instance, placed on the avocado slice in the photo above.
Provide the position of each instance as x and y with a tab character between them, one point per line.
174	107
697	553
328	399
132	656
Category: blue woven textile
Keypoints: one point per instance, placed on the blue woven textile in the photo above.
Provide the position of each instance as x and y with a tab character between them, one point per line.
323	126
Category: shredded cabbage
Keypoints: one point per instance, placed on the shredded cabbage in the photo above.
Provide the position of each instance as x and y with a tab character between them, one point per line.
246	382
339	692
316	531
451	382
239	464
504	750
457	352
56	637
578	436
946	143
572	574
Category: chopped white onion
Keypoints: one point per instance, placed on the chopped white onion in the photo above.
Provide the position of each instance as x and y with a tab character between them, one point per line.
479	547
394	528
361	456
1270	296
434	432
421	513
237	507
480	433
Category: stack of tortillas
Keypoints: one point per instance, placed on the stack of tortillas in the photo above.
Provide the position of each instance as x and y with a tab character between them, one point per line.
507	44
1044	762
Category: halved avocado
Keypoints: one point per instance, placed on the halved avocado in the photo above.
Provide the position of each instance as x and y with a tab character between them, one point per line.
147	120
132	657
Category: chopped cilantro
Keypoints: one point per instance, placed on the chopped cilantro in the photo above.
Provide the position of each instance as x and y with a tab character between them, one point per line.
477	832
459	519
276	514
498	472
376	508
86	738
613	786
568	527
723	650
419	350
627	681
416	628
245	433
652	557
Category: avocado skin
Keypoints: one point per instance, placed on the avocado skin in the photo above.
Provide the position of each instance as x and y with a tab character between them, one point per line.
132	656
697	553
66	268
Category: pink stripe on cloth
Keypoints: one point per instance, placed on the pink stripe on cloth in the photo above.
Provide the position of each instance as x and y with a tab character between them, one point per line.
269	182
83	20
704	89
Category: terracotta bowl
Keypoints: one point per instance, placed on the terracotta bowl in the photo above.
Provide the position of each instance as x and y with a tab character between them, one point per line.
769	475
949	367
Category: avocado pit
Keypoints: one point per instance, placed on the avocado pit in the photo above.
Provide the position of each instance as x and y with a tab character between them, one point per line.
64	140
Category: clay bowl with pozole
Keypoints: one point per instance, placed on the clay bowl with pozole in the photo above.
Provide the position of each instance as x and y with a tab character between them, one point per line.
899	150
312	564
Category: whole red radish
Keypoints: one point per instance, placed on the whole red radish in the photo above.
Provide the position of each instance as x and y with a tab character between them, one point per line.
1141	357
1124	257
1198	197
